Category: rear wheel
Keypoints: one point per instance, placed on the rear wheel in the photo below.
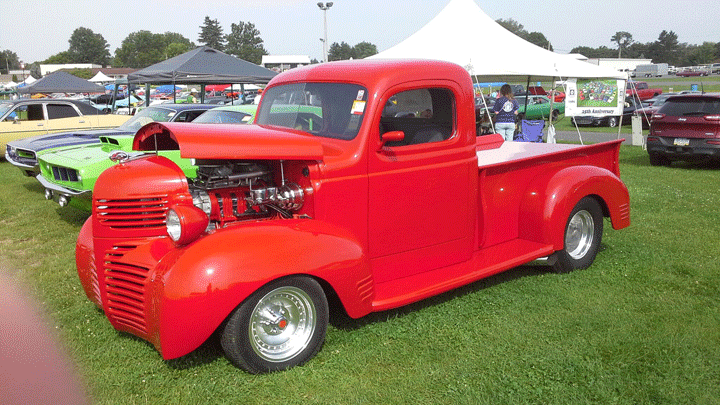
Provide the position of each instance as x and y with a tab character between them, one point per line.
555	115
282	325
583	234
612	122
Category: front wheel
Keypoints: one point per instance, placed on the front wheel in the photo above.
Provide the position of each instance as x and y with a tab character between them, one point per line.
583	233
612	122
280	326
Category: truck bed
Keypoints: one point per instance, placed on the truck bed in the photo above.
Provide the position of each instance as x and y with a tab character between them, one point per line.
492	151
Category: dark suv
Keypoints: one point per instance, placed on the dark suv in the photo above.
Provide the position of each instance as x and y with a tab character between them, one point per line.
686	127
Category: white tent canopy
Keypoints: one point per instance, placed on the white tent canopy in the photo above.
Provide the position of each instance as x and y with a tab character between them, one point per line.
462	33
101	77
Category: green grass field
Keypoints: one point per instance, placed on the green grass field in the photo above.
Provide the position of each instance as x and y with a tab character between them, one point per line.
641	326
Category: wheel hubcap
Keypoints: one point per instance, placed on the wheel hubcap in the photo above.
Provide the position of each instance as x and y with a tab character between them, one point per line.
282	324
579	234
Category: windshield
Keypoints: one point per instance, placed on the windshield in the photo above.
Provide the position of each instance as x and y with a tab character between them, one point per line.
687	106
5	107
146	116
223	117
331	110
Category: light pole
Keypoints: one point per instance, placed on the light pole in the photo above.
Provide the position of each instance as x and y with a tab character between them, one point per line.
22	66
324	7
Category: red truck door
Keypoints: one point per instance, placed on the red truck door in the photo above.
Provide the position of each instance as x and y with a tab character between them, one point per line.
420	188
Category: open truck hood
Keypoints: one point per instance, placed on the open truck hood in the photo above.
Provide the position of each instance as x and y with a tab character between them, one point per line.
222	141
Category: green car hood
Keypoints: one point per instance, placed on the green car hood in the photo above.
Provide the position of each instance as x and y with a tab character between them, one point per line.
90	161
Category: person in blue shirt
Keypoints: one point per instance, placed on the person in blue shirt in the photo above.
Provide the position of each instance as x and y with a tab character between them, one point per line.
506	111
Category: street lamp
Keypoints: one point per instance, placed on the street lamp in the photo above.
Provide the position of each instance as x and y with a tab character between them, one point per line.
324	7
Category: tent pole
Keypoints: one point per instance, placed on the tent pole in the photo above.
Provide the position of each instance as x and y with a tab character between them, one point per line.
202	93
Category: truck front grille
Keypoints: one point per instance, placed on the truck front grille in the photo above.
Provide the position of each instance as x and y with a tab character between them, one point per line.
145	213
125	286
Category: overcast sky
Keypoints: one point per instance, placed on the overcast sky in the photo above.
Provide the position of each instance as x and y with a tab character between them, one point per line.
37	29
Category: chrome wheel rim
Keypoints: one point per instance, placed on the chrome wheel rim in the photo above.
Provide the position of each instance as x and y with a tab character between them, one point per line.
579	234
282	324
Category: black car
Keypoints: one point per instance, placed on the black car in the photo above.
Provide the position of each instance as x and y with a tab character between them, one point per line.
22	153
631	105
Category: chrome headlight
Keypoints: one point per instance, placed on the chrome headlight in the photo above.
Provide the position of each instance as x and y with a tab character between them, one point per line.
172	222
185	223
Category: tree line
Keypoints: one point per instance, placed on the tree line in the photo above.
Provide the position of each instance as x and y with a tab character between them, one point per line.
144	48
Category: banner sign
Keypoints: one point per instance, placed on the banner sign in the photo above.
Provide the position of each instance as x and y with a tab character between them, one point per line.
594	98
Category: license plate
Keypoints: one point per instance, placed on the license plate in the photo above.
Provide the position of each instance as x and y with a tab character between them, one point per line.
681	142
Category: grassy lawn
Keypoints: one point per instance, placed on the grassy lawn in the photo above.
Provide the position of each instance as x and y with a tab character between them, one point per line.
641	326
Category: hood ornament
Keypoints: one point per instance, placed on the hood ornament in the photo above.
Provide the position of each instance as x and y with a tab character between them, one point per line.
119	156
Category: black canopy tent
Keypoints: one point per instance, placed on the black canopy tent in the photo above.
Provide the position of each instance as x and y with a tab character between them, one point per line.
202	65
61	82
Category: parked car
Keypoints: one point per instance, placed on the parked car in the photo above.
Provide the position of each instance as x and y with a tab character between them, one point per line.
23	153
69	174
538	107
686	127
631	104
688	73
26	117
651	106
559	96
228	114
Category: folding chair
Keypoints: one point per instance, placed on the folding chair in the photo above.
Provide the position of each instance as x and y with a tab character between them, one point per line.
531	131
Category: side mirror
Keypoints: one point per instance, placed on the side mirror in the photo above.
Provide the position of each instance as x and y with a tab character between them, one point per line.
393	136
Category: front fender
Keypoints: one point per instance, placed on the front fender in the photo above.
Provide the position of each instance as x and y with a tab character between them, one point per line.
551	197
199	285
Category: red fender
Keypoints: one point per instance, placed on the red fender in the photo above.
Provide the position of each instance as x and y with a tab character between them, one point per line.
85	262
194	288
550	198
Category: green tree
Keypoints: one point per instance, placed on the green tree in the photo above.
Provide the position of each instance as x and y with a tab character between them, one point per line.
363	50
211	34
59	58
244	42
88	47
518	29
601	52
539	39
702	54
666	49
623	39
341	51
8	61
142	48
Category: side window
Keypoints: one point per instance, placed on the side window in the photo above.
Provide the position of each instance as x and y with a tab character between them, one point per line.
182	117
423	115
20	113
61	111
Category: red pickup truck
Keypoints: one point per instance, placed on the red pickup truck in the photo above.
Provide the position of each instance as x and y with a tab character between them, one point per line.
362	185
641	90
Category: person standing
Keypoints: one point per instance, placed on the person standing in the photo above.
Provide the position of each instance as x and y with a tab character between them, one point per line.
506	111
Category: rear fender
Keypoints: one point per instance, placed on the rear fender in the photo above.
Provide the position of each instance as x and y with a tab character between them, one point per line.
551	197
198	286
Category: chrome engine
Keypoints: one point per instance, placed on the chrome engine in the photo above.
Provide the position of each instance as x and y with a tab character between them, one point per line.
243	190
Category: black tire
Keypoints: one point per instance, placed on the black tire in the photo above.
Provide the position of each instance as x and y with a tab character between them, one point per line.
612	122
583	234
658	160
555	115
280	326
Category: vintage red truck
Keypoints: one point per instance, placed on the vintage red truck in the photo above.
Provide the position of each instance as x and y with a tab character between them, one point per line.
641	90
362	184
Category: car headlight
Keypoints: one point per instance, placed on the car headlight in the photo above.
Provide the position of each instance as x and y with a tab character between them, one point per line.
185	223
